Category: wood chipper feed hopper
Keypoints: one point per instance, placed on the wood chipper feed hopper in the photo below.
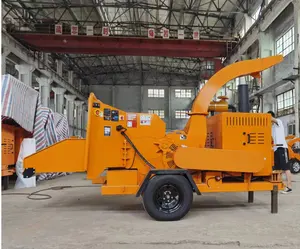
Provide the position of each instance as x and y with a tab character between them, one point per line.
130	154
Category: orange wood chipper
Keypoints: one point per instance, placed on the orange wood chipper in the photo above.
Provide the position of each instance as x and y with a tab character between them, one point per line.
12	137
294	153
131	154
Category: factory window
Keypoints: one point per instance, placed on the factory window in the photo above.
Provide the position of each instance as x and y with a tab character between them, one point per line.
285	44
221	92
237	82
255	109
183	93
285	102
231	85
291	129
160	113
182	114
156	93
210	65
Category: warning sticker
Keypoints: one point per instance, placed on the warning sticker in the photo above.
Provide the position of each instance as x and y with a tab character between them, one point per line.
131	116
145	120
131	120
107	114
114	115
107	131
98	113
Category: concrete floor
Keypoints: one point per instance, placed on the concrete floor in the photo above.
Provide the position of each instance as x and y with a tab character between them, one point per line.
82	218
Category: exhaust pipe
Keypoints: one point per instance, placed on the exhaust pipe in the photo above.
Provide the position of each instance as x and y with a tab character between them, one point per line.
243	98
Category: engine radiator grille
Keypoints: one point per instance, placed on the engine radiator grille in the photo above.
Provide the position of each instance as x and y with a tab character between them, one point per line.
247	121
256	138
7	146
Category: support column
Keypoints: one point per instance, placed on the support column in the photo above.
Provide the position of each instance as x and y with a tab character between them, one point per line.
80	85
70	77
59	67
142	99
79	117
59	99
70	112
113	96
170	105
46	55
297	63
247	22
266	48
25	73
5	53
45	89
84	119
272	104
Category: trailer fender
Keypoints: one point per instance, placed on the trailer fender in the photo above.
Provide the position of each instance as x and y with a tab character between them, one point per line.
156	172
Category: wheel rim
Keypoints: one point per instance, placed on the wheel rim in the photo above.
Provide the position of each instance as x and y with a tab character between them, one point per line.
167	198
296	166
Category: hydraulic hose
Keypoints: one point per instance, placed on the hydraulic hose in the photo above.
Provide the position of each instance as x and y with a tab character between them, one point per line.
122	130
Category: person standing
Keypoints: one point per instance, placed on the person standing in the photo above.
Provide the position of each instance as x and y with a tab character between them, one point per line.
281	151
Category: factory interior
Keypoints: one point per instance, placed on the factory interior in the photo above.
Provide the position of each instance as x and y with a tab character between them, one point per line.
133	124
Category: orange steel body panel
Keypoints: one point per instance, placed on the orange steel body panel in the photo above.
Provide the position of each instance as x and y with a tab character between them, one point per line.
246	132
99	180
12	138
64	156
122	177
110	147
8	145
119	190
219	160
237	187
291	140
227	143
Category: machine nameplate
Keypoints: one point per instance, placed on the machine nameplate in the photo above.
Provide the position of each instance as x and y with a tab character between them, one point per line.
107	114
107	131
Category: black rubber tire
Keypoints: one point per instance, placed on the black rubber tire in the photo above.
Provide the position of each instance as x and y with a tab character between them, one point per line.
5	182
184	190
294	170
